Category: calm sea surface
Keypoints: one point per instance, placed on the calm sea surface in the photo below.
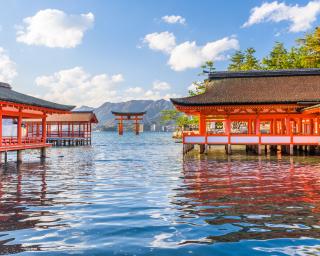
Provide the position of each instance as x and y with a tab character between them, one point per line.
136	195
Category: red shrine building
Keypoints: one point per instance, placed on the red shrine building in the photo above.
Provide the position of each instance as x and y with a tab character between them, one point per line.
256	108
71	129
17	108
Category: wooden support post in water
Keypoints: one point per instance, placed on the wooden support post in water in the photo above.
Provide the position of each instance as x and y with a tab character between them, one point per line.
259	149
202	148
43	153
19	156
291	150
228	149
120	126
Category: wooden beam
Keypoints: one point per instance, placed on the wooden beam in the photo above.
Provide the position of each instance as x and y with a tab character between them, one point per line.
202	124
0	126
19	127
44	128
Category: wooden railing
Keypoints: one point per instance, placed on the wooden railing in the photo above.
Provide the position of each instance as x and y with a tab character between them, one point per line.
266	139
12	141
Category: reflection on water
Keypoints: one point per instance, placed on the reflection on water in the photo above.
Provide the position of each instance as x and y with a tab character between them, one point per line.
135	195
260	199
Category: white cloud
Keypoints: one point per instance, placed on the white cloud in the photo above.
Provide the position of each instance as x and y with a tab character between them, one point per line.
7	67
156	95
164	41
189	54
301	18
134	90
173	19
54	28
161	86
76	86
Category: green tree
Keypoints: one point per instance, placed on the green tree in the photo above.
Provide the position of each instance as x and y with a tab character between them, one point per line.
294	58
207	67
310	49
241	61
200	86
173	116
237	60
277	58
250	61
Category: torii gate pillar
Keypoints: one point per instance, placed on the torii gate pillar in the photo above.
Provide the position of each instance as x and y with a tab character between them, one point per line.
127	116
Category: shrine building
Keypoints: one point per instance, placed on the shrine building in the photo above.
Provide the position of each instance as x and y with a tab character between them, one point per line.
256	108
15	109
71	129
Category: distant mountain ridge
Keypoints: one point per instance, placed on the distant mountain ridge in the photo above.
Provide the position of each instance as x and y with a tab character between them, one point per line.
152	107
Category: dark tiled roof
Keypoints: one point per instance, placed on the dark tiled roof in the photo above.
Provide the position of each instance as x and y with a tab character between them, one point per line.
226	88
264	73
9	95
128	113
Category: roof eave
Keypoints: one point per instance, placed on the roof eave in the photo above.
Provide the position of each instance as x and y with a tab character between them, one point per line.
179	103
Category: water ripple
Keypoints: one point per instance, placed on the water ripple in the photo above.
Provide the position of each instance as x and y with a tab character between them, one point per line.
137	195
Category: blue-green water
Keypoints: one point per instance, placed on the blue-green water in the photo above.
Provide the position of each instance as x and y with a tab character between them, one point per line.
136	195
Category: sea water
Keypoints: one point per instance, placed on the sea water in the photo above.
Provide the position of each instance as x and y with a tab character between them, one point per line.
137	195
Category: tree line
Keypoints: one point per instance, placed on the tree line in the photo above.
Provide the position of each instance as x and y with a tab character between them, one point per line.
305	54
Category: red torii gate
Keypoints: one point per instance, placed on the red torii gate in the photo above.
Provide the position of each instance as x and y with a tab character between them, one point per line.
127	116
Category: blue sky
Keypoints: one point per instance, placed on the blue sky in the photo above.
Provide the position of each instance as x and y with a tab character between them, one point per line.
88	52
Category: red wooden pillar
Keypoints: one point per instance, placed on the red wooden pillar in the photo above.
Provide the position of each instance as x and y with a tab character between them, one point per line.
311	126
258	132
0	126
249	126
120	126
19	127
44	128
228	129
202	125
27	129
287	125
87	130
90	132
300	125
